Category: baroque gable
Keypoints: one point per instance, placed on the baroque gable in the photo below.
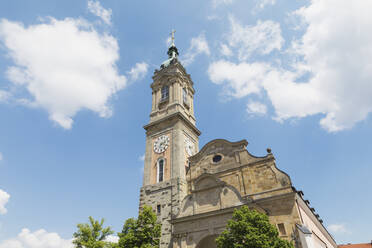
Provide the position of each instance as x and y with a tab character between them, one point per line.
232	163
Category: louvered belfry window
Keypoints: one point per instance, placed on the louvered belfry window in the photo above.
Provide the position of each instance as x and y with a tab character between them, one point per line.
164	93
185	99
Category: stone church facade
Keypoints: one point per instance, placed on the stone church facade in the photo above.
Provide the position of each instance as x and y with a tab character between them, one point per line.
194	192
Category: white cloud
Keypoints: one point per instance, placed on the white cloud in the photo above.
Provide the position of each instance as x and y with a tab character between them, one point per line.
212	17
256	108
65	65
289	99
37	239
262	38
96	8
263	3
4	198
341	66
199	45
225	50
138	71
4	95
332	73
1	156
337	228
111	238
242	79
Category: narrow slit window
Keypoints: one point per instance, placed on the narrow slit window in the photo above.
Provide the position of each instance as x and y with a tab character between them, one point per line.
281	228
160	170
158	209
164	93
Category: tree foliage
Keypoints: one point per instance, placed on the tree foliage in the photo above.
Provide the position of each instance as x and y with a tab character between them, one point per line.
250	229
92	235
143	232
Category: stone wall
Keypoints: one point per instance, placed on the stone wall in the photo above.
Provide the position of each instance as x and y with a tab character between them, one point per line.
188	232
168	195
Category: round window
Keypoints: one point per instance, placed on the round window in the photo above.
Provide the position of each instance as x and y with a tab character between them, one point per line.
217	158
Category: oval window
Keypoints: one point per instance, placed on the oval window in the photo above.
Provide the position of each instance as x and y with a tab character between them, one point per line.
217	158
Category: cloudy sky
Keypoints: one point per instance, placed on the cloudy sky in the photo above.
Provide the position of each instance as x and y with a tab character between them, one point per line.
292	75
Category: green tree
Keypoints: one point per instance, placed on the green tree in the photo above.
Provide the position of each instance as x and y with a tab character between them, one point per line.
92	235
143	232
250	229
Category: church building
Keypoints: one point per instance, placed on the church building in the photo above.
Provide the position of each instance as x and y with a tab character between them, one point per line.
194	192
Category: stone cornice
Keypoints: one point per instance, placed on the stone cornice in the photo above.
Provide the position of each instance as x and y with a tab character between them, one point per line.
170	117
172	72
205	215
269	191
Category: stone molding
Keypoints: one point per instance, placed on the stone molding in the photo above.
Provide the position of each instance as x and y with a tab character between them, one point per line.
175	116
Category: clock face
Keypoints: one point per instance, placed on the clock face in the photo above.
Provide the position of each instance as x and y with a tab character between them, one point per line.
189	145
161	144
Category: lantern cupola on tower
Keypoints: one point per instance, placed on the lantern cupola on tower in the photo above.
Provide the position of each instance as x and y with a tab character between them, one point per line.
172	53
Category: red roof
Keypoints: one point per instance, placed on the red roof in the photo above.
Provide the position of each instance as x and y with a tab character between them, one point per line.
364	245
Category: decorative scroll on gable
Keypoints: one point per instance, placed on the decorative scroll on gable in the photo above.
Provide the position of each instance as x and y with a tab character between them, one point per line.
209	194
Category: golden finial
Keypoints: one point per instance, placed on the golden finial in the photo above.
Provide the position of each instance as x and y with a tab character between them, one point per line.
172	36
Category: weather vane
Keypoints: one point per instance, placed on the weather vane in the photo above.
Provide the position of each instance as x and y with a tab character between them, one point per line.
172	33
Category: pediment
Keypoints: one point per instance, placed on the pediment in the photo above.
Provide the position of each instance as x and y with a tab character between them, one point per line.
220	146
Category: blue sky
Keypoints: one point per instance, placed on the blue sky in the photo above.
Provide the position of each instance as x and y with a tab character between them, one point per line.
74	95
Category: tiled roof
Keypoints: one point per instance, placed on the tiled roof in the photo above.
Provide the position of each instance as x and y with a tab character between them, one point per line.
364	245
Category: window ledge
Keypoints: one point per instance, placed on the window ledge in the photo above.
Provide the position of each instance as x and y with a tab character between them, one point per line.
186	106
163	102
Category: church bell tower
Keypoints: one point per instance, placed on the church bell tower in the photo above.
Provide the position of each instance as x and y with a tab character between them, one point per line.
171	137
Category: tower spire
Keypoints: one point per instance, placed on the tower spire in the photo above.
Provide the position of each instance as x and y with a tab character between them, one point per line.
172	52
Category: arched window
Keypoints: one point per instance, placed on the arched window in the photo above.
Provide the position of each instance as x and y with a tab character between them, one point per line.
160	176
164	93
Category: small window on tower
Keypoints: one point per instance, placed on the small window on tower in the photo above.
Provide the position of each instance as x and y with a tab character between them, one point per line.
164	93
160	170
281	228
185	98
158	209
